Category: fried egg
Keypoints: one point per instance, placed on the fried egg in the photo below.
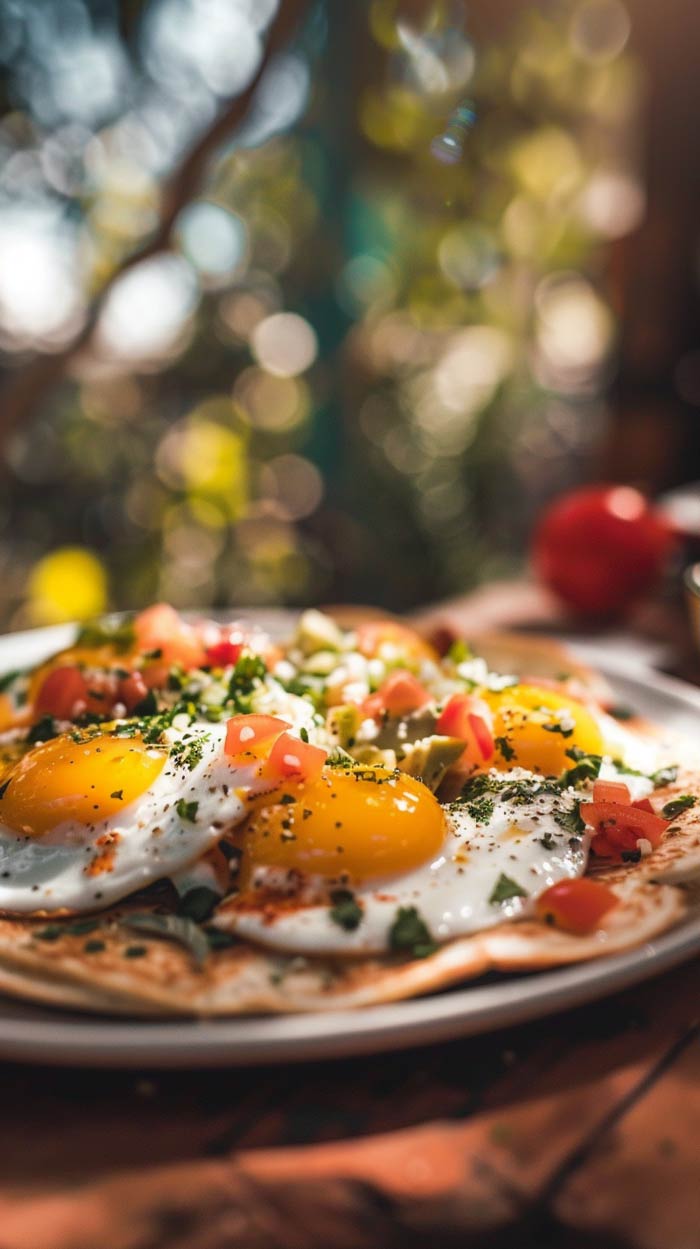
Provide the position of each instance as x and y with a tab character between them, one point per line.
537	728
385	836
86	819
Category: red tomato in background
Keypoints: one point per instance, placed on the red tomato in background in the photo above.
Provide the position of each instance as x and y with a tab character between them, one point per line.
600	548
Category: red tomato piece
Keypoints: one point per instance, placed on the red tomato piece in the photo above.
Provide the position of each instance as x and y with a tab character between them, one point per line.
160	628
469	718
611	791
224	653
618	828
400	694
246	734
132	690
600	548
575	905
63	694
644	804
293	759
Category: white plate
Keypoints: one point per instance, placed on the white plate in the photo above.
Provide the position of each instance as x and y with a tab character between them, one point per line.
37	1034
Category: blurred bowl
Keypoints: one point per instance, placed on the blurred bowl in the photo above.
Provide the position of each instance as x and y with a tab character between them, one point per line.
691	579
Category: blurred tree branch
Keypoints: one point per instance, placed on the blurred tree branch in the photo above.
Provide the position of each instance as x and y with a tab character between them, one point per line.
31	382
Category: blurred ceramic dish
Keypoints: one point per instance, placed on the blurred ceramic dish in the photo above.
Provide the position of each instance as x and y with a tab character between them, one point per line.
36	1034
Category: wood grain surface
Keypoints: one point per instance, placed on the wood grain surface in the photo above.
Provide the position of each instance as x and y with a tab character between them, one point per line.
579	1130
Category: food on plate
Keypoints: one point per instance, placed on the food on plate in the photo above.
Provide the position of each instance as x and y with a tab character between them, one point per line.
198	818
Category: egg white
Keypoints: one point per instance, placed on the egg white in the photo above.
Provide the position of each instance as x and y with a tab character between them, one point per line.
49	873
522	840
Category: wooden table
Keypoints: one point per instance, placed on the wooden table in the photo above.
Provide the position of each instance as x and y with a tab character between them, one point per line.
579	1130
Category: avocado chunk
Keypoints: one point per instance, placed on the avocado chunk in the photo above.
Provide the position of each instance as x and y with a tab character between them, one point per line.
316	632
342	724
429	758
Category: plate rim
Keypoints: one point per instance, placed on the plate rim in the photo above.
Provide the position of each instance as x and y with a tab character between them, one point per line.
56	1038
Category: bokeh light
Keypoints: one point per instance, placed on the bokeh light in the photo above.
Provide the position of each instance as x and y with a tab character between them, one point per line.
379	333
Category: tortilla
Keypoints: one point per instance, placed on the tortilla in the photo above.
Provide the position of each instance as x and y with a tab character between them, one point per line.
115	970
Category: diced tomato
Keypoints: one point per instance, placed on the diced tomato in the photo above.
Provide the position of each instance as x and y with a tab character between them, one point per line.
63	694
611	791
224	653
132	690
643	804
374	637
576	905
400	694
469	718
619	827
252	734
155	675
293	759
160	628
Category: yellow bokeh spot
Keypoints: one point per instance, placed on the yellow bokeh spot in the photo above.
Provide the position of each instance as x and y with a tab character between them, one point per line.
547	162
215	464
68	584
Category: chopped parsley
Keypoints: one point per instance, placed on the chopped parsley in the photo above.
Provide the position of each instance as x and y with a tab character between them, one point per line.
8	679
586	767
664	776
682	803
198	903
304	735
148	705
250	671
555	726
43	730
506	888
346	911
570	819
187	810
94	946
505	749
118	794
410	934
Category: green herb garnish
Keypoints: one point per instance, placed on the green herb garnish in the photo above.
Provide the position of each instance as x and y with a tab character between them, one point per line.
506	888
505	748
682	803
664	776
198	903
43	730
187	810
409	933
346	912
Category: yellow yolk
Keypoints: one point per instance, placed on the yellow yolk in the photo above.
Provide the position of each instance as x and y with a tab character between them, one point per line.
538	726
84	782
363	823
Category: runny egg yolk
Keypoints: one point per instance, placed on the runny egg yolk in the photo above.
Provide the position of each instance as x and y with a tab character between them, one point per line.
534	727
82	782
363	823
